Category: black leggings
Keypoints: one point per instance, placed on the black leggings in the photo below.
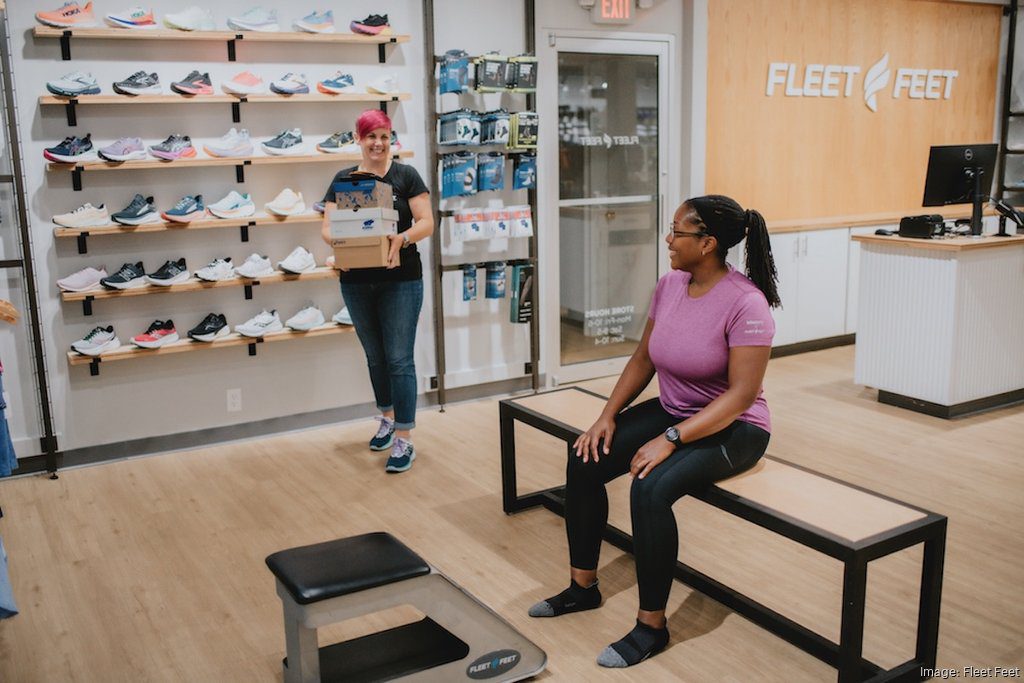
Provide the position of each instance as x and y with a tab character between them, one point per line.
655	537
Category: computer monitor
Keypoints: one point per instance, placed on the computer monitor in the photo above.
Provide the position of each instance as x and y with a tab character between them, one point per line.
960	174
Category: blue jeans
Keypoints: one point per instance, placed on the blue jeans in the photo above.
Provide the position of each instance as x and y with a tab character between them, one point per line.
385	316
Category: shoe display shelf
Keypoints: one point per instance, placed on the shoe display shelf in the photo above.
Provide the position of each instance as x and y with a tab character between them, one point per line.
131	352
231	38
196	285
243	224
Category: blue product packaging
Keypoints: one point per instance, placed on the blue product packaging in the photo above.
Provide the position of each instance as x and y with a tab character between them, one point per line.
458	174
524	172
454	75
469	282
495	280
490	171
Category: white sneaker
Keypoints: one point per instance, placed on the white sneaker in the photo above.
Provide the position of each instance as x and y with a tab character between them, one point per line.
85	280
261	324
245	83
256	19
85	216
342	317
287	203
385	85
234	143
234	205
99	340
217	270
255	266
299	261
191	19
306	319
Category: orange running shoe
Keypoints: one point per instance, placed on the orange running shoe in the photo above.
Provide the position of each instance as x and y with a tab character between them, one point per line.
70	15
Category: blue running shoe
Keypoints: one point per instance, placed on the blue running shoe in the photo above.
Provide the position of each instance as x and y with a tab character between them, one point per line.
385	435
402	455
338	83
188	209
316	22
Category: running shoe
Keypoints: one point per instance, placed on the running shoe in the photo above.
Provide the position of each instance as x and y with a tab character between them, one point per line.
385	85
133	17
174	147
339	143
159	333
170	273
318	207
140	211
188	209
256	19
130	276
316	22
234	143
260	324
290	84
213	327
306	319
385	435
373	25
194	84
98	341
255	266
69	15
286	203
124	149
74	84
217	270
139	83
339	82
191	19
85	216
245	83
402	455
71	150
85	280
234	205
297	262
285	143
342	317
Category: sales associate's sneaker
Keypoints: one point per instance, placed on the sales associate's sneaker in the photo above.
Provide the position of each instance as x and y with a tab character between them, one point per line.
133	17
385	435
139	83
339	143
217	270
290	84
174	147
159	333
256	19
85	280
316	22
69	15
342	317
261	324
140	211
385	85
213	327
170	273
402	455
255	266
234	143
71	150
188	209
98	341
234	205
299	261
130	276
85	216
245	83
373	25
286	203
124	149
195	83
306	319
337	83
285	143
74	84
191	19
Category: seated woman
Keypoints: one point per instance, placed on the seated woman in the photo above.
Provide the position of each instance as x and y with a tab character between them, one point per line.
708	338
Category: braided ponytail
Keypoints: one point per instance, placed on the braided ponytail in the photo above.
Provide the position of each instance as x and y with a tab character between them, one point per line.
758	256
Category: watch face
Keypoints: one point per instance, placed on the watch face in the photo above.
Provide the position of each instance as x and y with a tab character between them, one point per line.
671	433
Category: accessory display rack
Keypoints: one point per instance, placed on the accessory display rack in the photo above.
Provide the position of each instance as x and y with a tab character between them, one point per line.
531	368
1009	117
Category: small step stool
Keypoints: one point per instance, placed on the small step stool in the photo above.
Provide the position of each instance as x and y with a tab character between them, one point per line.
460	638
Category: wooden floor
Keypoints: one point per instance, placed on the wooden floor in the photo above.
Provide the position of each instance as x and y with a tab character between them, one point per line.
152	569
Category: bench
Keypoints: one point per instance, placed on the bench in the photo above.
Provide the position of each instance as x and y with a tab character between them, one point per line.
845	522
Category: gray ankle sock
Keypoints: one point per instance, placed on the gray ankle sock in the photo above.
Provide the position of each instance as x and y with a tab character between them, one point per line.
639	644
575	598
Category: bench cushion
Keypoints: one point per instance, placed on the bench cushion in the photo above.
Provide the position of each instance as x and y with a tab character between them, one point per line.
326	570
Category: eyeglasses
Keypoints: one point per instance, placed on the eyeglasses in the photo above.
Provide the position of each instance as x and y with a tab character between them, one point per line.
679	233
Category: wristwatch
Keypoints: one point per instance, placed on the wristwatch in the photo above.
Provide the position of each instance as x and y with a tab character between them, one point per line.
405	239
672	435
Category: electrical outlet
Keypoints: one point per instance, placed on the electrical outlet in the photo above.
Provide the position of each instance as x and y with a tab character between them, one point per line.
234	400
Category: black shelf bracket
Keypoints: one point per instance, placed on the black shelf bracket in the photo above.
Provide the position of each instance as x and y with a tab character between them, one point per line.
65	46
252	345
231	47
245	230
236	111
248	289
383	106
83	243
69	109
87	305
382	56
76	179
94	367
240	171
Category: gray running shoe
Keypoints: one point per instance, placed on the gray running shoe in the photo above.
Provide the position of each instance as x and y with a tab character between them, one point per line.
286	142
174	147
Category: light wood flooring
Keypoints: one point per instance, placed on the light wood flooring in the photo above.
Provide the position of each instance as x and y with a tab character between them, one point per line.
152	569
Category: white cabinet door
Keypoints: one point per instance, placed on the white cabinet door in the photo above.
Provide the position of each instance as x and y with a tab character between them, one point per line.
821	310
853	275
786	252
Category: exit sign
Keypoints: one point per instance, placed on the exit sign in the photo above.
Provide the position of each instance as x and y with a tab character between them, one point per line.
612	12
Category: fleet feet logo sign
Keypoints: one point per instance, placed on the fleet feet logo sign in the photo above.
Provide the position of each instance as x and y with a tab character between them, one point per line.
841	80
493	664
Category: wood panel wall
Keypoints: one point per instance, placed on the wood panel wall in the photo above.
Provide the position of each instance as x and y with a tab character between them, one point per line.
816	157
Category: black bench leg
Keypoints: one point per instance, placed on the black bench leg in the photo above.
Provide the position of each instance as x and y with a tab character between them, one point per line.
851	633
509	496
931	598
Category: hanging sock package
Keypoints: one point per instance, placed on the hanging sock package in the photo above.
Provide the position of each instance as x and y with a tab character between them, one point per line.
521	310
495	280
469	282
494	127
522	220
490	171
500	222
522	73
458	174
523	130
454	75
459	127
471	225
491	72
524	172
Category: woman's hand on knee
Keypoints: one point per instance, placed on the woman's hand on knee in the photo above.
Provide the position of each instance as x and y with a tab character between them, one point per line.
587	443
650	455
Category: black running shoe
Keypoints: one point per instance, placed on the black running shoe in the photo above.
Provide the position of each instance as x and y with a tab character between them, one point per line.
139	83
129	276
170	273
213	327
140	211
374	25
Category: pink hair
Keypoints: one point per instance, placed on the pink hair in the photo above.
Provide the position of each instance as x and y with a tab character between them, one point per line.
371	120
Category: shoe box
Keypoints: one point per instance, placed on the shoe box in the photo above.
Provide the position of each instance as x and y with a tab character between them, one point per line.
361	225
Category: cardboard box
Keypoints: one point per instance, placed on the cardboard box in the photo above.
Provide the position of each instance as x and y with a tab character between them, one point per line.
354	193
363	222
361	252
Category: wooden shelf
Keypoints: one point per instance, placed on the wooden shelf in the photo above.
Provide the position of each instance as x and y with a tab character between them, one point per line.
225	98
100	165
130	352
247	36
259	219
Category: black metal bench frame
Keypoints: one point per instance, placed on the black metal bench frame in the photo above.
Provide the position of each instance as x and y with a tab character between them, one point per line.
846	656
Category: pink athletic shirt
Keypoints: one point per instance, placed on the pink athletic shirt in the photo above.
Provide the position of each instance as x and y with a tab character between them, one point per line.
690	342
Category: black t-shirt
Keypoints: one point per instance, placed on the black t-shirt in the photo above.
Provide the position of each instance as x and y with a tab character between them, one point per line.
405	183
